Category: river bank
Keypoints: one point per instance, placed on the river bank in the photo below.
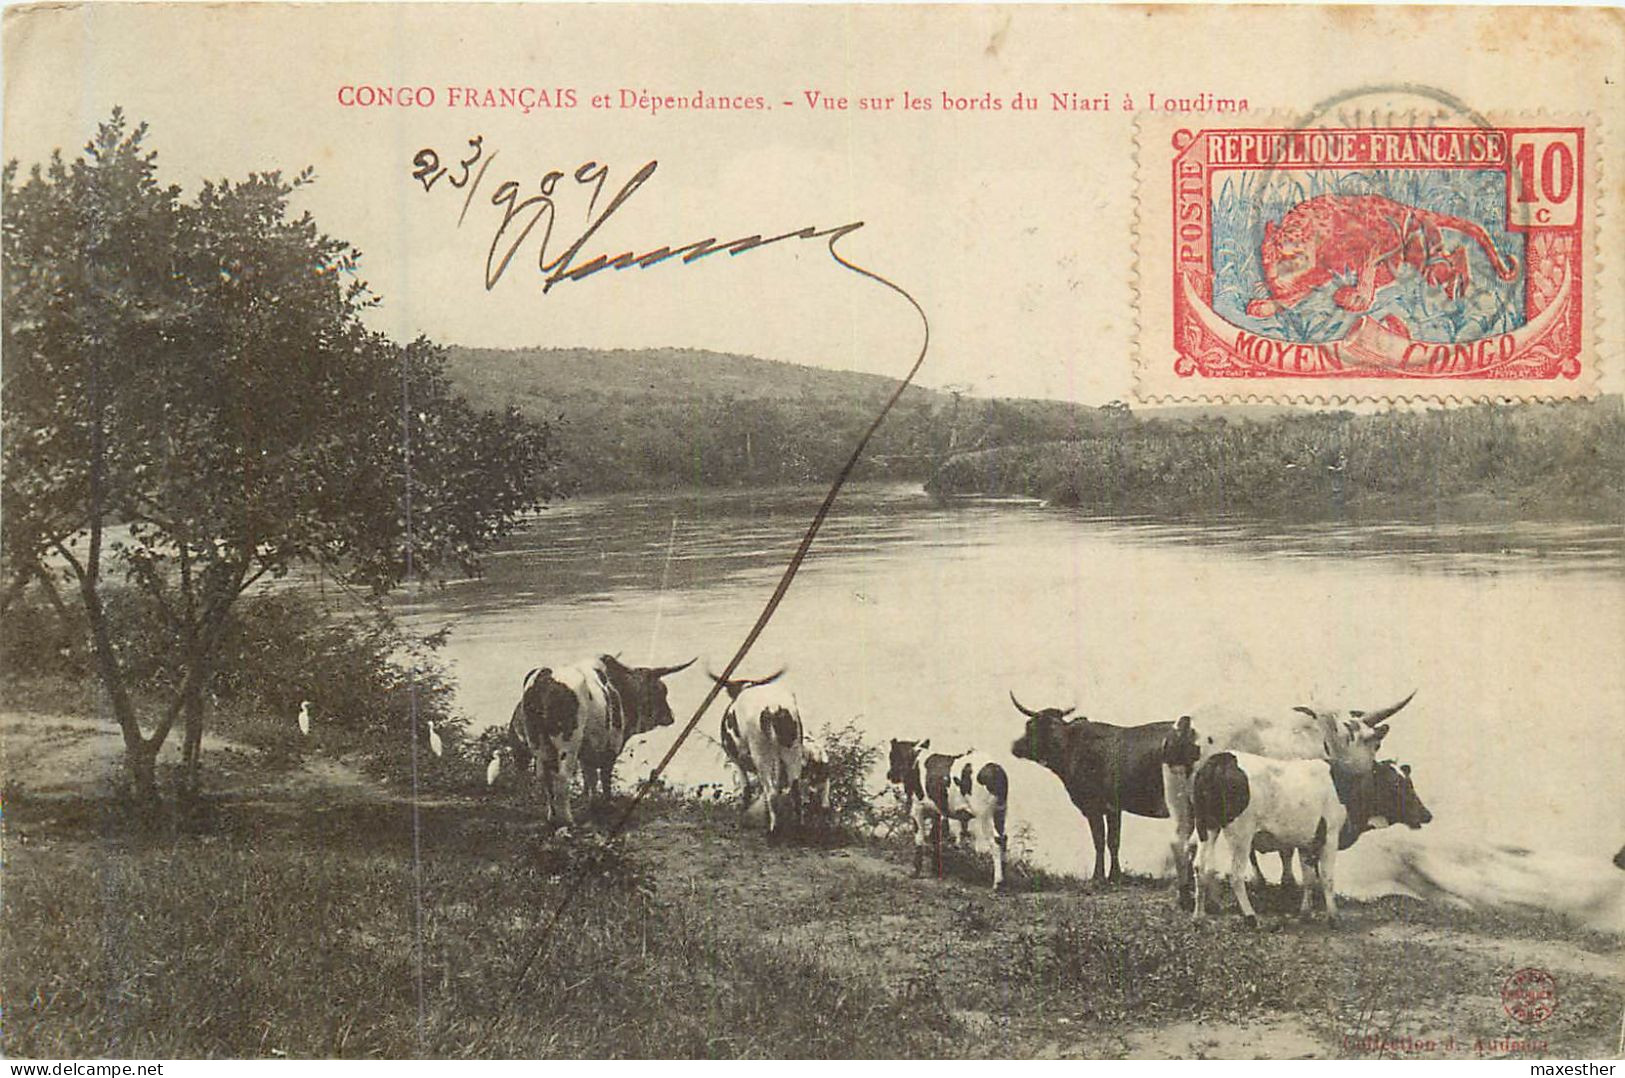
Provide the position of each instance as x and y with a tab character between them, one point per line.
1491	463
311	911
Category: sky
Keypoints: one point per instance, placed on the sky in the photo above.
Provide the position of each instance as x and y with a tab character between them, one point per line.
1015	232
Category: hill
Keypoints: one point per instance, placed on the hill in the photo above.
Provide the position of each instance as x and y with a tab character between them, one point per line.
671	417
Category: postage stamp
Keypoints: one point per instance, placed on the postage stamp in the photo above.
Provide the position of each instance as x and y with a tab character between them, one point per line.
1366	261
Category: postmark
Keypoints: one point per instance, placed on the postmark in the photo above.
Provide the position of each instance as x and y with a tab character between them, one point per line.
1428	258
1529	996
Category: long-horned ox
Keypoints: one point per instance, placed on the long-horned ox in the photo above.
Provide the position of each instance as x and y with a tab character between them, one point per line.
1316	807
1107	770
1349	739
971	788
578	717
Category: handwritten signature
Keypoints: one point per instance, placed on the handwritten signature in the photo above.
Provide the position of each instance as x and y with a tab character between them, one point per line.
522	213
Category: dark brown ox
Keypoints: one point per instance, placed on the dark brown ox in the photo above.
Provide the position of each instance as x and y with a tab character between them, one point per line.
1107	770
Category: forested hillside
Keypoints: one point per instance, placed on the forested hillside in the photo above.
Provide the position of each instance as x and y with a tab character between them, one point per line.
664	418
670	418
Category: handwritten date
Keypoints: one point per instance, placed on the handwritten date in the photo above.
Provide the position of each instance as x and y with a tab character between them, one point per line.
530	214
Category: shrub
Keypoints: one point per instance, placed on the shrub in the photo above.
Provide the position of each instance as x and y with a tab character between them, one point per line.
852	764
589	858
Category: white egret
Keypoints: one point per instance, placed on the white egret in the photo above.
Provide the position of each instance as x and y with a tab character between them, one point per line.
435	745
493	768
304	717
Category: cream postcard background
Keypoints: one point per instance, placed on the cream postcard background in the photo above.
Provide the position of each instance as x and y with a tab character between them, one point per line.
1013	229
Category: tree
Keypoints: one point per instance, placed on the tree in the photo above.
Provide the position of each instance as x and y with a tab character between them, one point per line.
192	402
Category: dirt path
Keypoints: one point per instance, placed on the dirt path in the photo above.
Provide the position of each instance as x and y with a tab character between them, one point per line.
71	756
1554	956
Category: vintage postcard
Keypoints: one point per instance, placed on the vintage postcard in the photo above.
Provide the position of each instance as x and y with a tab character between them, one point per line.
700	531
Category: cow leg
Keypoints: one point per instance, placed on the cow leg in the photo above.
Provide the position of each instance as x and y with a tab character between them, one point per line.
1114	839
524	765
1000	841
1287	879
1176	792
770	794
1241	847
1310	874
546	776
1201	872
1097	831
563	779
1328	858
919	814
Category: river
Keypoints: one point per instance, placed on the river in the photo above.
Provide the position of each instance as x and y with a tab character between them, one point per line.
917	618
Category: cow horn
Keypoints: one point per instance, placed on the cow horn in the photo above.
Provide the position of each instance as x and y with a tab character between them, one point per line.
768	680
1308	711
667	671
1372	718
1023	710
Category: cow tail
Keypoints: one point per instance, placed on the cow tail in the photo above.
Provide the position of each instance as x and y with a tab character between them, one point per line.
730	736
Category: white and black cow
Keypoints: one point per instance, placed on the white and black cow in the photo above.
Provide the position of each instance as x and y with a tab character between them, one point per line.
1314	807
971	787
578	717
1349	738
763	736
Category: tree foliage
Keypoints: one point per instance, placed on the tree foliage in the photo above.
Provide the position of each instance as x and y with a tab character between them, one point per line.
193	402
1560	460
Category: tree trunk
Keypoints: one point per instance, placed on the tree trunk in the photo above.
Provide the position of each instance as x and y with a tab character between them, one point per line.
192	743
142	760
140	755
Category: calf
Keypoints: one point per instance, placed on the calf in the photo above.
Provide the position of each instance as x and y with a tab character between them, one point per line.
762	736
971	788
1394	800
1298	802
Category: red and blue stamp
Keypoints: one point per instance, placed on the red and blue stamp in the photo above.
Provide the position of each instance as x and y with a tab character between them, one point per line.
1438	253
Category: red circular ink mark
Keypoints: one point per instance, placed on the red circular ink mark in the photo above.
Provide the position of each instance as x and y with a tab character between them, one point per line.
1183	138
1529	996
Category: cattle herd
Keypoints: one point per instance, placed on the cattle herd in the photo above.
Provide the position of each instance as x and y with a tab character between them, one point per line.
1304	784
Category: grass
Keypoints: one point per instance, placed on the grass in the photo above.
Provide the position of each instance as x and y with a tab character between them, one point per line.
267	936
